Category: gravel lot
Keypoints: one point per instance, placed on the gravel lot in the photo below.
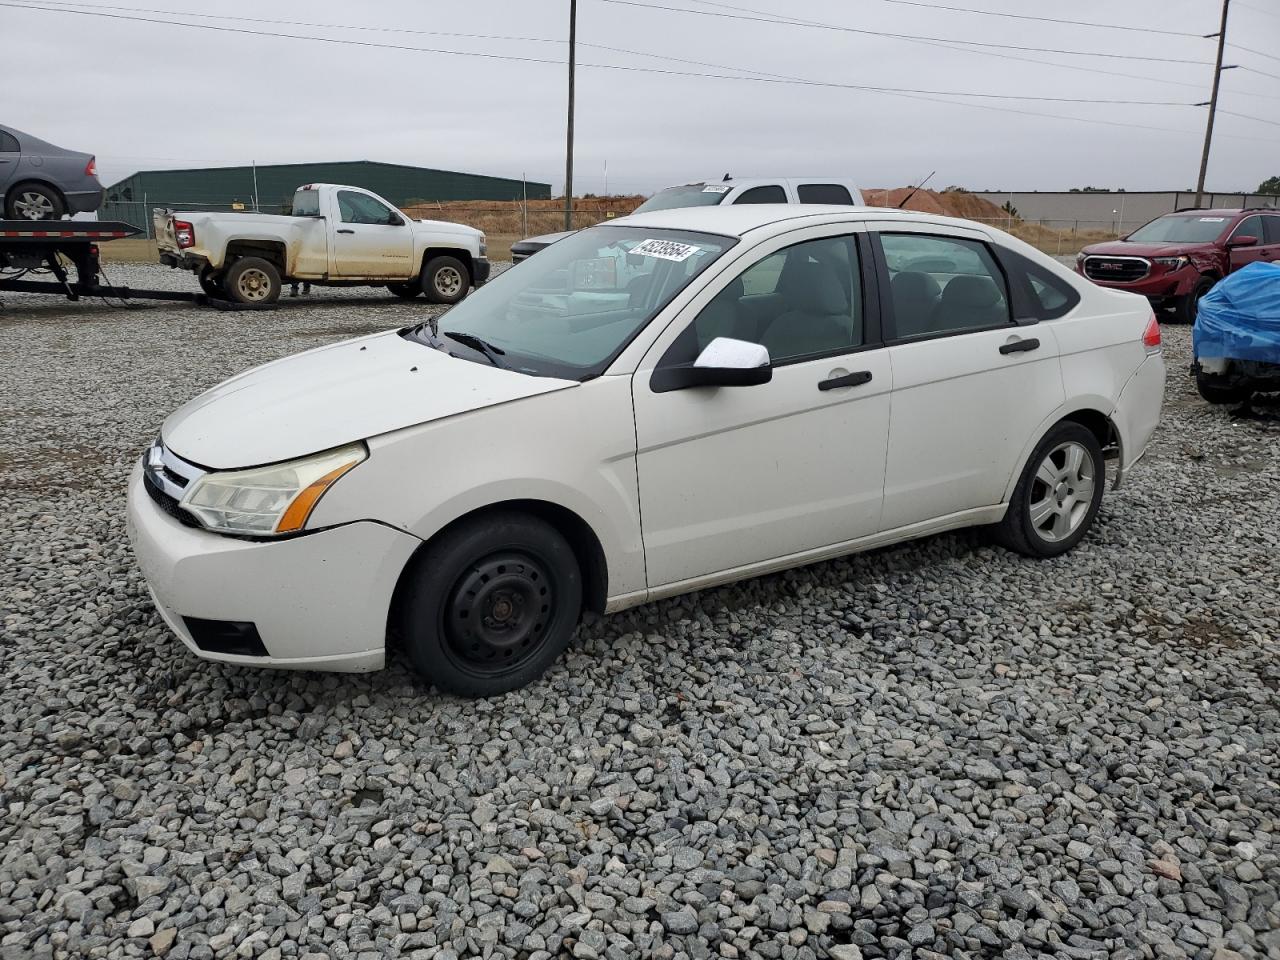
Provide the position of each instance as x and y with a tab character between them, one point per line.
937	749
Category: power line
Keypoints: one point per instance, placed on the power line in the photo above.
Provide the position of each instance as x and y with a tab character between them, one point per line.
1012	16
1257	9
869	88
896	36
1261	73
932	96
1246	116
1257	53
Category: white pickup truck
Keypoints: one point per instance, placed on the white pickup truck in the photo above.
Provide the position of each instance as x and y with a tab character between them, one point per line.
336	235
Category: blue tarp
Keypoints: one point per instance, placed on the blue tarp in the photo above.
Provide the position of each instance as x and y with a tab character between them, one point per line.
1239	319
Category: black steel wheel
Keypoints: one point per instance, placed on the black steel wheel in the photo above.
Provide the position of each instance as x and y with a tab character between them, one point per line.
490	604
211	284
405	291
1186	308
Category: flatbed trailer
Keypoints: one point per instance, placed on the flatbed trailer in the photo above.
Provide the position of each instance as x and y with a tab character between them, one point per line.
48	245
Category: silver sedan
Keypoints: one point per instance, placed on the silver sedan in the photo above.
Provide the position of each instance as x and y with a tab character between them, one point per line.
39	181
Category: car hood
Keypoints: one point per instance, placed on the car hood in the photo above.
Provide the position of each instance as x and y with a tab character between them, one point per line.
1124	248
447	228
334	395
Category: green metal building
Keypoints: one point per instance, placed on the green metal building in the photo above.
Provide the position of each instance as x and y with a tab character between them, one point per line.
270	188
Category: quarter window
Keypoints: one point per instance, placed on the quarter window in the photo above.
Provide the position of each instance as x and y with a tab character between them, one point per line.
824	193
801	302
770	194
361	208
943	284
9	143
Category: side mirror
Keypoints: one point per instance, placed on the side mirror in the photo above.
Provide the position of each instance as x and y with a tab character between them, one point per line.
1245	241
724	362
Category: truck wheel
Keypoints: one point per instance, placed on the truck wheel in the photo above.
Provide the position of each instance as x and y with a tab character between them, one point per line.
405	291
33	201
211	284
490	604
1185	308
445	279
252	280
1214	393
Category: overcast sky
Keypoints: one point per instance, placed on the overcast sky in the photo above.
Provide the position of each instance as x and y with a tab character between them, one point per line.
145	95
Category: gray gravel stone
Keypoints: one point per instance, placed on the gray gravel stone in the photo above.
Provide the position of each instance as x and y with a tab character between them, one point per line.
934	750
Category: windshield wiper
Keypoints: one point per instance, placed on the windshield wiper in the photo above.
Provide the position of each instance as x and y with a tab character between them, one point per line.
491	353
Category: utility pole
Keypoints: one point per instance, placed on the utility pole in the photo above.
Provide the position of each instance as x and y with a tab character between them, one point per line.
568	157
1213	102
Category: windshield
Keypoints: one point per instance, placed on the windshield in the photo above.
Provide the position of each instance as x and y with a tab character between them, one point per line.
686	195
571	309
1183	228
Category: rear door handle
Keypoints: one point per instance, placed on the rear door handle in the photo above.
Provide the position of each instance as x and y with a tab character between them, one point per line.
346	231
855	379
1020	346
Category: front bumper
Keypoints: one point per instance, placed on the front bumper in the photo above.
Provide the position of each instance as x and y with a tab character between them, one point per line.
480	269
1157	287
318	601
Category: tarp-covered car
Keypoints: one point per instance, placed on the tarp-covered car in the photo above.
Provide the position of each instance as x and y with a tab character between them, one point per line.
1237	336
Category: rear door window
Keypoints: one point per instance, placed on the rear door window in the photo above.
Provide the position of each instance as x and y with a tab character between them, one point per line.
824	193
768	194
1271	226
9	143
940	285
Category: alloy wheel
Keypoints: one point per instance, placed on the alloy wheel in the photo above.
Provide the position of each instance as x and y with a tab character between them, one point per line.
1062	491
33	206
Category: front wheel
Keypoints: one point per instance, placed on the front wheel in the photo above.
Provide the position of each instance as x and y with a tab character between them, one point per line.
445	279
1186	308
490	604
252	280
1058	495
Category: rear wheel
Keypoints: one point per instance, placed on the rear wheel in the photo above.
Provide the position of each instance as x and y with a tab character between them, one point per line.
252	280
33	201
445	279
211	284
405	291
1058	495
490	605
1185	308
1215	393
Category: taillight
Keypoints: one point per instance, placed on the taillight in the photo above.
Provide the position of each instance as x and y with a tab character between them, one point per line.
91	168
185	234
1151	335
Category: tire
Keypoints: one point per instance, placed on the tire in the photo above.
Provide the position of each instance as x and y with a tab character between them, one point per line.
1217	394
1185	308
252	280
445	279
211	284
490	605
1053	506
405	291
33	201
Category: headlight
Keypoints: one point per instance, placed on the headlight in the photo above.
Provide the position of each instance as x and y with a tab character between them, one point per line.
1080	258
1173	263
266	501
484	246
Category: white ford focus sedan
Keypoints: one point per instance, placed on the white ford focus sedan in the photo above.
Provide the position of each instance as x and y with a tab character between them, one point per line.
661	404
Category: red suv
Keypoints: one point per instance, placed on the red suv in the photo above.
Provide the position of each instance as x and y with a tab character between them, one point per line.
1176	259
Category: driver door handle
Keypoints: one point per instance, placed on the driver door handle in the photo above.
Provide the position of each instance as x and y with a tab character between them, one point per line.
855	379
346	231
1020	346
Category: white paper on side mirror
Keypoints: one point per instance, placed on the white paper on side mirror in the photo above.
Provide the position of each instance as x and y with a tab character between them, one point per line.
728	354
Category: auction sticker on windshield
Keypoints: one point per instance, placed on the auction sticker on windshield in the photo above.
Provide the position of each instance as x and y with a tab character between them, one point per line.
715	188
666	250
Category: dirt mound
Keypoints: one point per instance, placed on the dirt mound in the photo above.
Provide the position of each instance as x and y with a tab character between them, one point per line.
953	203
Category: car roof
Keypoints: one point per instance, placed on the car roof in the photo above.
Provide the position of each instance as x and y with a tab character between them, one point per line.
738	220
1214	212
